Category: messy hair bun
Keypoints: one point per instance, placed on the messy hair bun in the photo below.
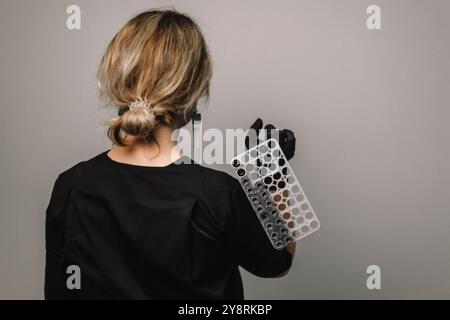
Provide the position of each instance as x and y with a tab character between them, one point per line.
159	57
139	122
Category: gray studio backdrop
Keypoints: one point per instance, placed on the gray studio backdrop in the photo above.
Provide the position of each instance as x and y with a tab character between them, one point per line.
370	109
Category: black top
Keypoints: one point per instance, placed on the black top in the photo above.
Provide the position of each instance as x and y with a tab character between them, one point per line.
136	232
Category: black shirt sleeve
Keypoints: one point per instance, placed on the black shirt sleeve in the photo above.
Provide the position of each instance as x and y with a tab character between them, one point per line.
243	234
248	240
56	212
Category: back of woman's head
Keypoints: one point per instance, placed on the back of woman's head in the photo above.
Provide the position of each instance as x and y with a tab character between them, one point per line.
160	58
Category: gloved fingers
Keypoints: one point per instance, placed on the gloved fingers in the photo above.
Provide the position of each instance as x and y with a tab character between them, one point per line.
287	143
257	125
251	139
285	137
269	131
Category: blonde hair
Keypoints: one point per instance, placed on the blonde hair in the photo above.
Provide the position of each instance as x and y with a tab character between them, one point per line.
160	57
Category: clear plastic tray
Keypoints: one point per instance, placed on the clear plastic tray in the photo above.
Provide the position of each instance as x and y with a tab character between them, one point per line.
275	194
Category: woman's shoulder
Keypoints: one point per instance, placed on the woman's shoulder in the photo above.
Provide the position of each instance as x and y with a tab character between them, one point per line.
70	174
75	170
215	177
209	179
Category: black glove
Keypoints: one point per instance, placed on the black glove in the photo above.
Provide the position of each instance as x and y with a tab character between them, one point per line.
285	137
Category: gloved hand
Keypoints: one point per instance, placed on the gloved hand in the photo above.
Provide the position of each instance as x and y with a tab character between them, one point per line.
285	137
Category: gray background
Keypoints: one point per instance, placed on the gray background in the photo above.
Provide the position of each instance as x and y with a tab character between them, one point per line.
370	109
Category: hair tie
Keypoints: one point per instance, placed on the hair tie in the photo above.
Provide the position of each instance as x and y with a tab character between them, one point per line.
140	105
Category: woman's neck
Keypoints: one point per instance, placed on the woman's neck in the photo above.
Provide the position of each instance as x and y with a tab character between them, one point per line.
158	152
